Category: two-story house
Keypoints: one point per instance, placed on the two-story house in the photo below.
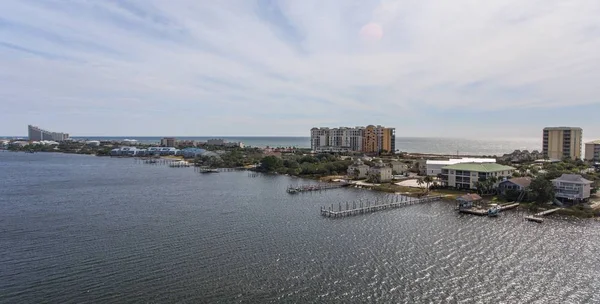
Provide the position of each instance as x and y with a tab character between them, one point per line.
380	173
466	175
572	188
358	169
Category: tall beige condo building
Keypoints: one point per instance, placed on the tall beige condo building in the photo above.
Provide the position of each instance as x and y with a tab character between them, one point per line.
561	142
592	150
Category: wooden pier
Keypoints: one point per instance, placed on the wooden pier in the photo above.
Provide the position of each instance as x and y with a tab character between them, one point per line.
537	217
356	208
484	211
315	187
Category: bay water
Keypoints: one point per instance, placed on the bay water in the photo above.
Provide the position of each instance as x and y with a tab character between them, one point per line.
85	229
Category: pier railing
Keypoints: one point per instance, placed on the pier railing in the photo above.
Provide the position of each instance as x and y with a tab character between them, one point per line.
360	207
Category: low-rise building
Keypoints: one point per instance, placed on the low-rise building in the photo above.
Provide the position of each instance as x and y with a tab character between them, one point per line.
515	184
358	169
572	188
127	151
466	175
192	152
380	173
592	151
434	166
162	151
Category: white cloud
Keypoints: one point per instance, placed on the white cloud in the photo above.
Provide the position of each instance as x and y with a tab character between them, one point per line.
293	64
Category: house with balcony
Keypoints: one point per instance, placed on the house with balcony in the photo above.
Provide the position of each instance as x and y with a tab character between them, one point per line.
466	175
572	188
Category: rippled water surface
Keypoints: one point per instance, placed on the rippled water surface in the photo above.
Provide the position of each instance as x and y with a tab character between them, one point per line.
81	229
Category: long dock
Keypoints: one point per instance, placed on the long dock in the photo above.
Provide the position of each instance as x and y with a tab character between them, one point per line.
537	217
484	212
316	187
356	208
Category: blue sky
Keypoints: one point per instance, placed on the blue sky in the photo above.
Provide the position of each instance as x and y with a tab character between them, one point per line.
462	68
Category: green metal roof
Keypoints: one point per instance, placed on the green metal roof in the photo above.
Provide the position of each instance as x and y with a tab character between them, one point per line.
477	167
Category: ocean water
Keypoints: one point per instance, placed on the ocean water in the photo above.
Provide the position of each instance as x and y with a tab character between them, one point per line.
453	146
83	229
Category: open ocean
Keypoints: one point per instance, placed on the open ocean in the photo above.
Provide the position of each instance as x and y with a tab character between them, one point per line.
405	144
86	229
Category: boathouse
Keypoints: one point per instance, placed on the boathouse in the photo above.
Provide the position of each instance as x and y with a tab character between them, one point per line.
468	200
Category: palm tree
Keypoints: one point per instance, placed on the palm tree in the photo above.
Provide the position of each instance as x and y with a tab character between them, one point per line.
428	180
420	182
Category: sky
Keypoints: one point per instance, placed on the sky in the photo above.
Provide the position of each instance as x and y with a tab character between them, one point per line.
431	68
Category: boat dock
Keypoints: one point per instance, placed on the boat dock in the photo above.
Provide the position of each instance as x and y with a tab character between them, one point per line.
537	217
356	208
315	187
484	211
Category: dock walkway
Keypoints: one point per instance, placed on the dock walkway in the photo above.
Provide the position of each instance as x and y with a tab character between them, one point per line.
484	212
537	217
314	187
356	208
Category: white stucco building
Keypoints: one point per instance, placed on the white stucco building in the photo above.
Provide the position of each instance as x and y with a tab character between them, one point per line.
434	167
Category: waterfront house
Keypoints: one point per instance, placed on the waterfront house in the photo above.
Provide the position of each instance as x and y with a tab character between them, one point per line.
517	184
162	151
468	200
466	175
358	169
191	152
380	173
572	188
127	151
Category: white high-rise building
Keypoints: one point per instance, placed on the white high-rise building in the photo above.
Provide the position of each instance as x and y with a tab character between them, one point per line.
38	134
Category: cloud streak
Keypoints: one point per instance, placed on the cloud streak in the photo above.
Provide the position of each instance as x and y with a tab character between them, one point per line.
280	67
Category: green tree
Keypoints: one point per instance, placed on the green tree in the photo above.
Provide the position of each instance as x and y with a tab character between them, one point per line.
542	190
270	164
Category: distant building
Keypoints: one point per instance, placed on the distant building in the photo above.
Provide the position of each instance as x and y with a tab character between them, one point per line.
398	167
561	142
93	142
358	169
168	142
162	151
191	152
127	151
369	139
224	143
572	188
215	142
38	134
466	175
592	151
434	167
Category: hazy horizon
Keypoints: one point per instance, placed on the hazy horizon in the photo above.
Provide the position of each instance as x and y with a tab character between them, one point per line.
239	68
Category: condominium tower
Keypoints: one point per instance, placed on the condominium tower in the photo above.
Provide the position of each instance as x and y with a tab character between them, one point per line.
369	139
561	142
38	134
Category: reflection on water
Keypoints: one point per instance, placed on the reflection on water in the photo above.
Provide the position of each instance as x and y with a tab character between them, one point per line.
86	229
